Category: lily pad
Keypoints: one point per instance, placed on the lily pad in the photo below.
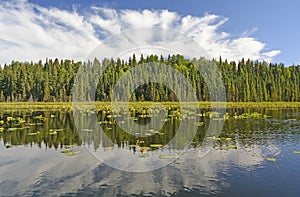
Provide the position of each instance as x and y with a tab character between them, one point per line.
70	152
12	129
34	133
211	137
271	159
223	138
30	124
21	120
144	149
55	130
40	117
296	152
70	145
228	147
156	145
166	156
200	124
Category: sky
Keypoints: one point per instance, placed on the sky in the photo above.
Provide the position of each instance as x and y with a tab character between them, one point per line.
258	29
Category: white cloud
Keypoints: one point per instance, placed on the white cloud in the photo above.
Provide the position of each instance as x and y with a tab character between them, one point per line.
31	32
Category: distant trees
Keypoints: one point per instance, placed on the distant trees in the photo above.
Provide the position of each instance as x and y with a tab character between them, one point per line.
53	80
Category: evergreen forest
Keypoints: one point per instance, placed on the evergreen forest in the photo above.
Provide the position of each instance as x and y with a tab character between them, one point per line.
53	80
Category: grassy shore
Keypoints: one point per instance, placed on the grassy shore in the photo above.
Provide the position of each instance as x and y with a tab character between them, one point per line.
99	105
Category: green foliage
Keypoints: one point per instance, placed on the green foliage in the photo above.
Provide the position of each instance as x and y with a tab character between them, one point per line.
245	81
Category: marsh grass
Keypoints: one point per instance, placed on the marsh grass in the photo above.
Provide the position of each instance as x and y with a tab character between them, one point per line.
101	105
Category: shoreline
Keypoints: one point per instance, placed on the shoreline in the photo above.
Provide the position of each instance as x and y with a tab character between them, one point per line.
146	104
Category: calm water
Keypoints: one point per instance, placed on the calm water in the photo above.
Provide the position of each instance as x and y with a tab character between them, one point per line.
32	162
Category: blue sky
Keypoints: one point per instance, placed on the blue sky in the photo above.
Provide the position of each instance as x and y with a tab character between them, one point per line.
272	25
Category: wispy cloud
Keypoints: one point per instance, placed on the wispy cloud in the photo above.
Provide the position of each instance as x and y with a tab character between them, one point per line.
31	32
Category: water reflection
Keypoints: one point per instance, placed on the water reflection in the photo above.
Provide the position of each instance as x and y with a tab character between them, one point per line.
34	165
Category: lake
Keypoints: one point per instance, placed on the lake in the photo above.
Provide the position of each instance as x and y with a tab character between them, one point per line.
54	152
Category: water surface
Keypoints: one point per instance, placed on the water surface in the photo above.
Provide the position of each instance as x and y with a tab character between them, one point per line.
253	156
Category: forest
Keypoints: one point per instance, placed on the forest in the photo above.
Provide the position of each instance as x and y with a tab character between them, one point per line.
53	80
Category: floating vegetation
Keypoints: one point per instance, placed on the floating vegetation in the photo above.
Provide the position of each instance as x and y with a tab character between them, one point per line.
212	114
223	138
14	129
228	147
12	121
20	127
68	146
34	133
140	142
144	149
226	116
9	119
200	124
20	120
106	122
219	138
30	124
271	159
296	152
55	130
249	115
166	157
40	117
111	116
33	124
144	116
156	145
53	133
70	152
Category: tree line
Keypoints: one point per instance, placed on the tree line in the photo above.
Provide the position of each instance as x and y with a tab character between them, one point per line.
53	80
